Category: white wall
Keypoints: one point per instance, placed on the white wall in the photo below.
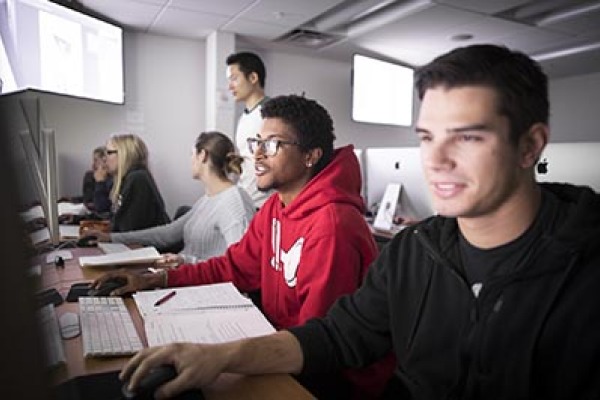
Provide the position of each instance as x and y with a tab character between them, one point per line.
575	109
165	91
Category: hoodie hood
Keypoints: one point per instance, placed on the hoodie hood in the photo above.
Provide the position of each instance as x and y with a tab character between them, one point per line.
569	231
583	215
580	220
339	182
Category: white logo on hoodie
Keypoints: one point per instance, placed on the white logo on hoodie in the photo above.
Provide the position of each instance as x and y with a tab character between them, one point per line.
288	259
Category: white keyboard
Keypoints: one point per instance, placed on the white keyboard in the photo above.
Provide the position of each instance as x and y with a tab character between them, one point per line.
55	352
107	328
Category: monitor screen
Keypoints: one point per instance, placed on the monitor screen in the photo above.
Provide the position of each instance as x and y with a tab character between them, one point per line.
56	49
33	148
382	92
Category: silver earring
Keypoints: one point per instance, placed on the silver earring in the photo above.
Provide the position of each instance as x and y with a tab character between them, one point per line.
309	165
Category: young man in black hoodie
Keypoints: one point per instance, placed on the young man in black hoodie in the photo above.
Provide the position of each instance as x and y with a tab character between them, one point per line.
494	298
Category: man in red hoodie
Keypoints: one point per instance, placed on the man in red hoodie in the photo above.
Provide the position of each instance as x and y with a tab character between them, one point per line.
308	244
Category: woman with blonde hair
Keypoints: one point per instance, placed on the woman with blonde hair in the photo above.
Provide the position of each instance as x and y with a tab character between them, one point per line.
136	201
218	219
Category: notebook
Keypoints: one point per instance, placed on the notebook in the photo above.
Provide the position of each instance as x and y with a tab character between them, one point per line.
214	313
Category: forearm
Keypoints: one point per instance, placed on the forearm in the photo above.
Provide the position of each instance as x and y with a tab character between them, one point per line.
276	353
159	236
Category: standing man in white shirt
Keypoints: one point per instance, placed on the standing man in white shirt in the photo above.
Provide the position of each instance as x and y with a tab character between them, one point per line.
246	74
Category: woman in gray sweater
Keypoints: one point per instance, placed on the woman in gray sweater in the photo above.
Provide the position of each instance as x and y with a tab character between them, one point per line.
218	219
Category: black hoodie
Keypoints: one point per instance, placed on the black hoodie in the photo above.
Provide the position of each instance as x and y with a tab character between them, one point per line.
533	333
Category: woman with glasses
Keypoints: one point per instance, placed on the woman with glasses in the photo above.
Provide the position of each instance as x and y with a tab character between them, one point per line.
136	201
218	219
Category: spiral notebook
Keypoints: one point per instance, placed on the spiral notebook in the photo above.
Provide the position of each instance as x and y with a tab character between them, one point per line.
200	314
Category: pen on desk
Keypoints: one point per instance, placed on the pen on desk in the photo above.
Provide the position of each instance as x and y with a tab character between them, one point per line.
164	298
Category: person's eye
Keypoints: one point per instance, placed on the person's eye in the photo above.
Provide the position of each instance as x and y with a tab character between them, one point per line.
271	144
424	137
470	138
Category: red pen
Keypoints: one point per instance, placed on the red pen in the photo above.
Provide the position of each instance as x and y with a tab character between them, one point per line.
165	298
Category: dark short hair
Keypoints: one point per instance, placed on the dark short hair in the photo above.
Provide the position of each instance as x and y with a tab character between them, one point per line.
248	63
519	81
310	122
221	152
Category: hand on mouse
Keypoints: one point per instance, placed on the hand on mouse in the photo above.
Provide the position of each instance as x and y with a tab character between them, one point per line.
197	365
135	281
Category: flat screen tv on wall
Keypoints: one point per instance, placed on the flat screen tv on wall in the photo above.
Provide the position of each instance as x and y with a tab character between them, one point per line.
52	48
382	92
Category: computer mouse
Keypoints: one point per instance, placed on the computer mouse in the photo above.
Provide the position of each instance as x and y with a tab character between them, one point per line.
87	241
150	382
106	288
69	325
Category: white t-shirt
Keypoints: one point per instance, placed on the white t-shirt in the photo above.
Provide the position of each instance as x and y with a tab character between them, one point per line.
248	126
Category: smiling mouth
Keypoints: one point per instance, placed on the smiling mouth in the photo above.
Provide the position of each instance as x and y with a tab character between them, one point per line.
447	190
260	169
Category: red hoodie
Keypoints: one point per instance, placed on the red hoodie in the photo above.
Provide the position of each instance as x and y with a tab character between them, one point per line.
303	256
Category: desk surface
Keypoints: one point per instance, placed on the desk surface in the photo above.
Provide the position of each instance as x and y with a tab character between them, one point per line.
228	386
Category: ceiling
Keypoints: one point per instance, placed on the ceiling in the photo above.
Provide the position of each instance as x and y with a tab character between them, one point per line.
564	35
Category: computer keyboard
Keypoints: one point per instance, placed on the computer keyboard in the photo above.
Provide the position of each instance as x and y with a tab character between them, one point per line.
55	352
107	328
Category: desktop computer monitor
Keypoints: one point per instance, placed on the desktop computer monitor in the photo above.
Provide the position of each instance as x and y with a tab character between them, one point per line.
363	192
23	375
398	165
33	147
576	163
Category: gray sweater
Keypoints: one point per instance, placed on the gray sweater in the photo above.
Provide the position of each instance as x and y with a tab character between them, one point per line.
213	223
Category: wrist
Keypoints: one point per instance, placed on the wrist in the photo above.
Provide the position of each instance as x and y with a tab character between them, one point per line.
158	279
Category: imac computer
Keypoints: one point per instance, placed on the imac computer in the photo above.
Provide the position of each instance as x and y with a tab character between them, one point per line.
359	155
576	163
398	165
33	147
21	339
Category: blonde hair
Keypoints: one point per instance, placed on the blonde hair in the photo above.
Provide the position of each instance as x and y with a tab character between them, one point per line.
131	152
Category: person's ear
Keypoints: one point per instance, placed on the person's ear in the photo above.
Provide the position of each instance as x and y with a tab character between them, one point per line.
253	78
205	157
532	144
201	156
313	156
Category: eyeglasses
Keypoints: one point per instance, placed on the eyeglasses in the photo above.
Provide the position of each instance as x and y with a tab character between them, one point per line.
269	147
109	152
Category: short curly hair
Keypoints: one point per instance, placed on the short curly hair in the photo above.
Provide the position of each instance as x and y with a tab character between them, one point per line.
310	122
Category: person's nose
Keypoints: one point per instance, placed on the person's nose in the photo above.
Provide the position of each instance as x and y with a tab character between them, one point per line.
259	151
437	156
